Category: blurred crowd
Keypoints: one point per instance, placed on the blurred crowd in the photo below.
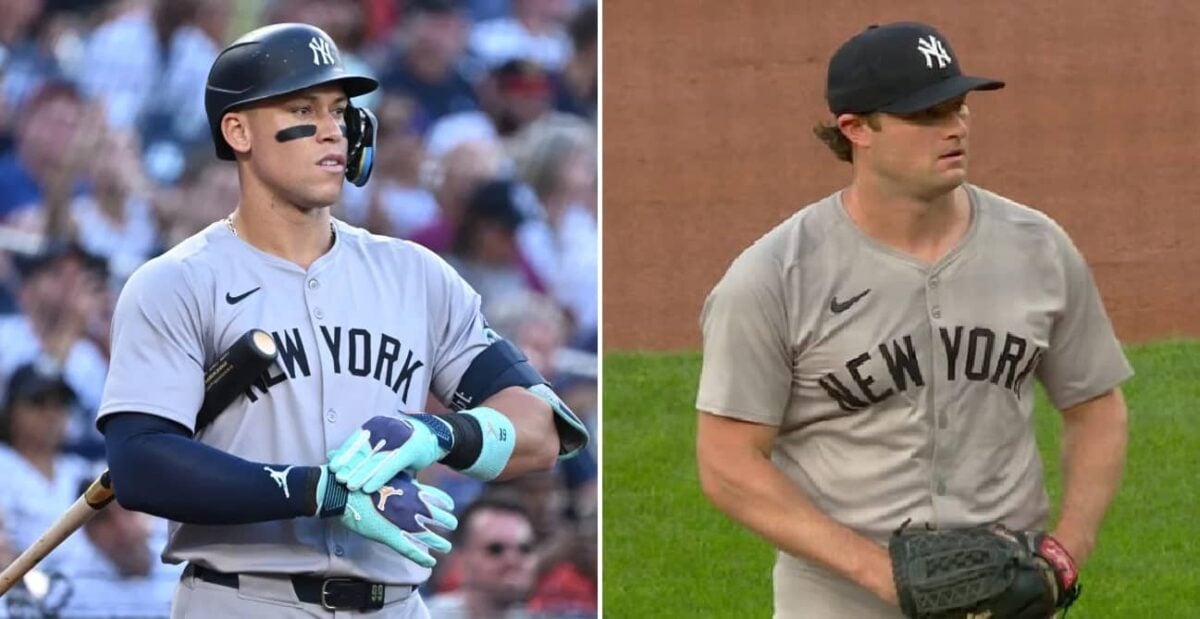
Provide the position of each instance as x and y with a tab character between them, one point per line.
487	154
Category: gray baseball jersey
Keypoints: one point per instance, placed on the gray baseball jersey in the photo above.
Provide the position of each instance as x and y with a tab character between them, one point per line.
370	328
900	389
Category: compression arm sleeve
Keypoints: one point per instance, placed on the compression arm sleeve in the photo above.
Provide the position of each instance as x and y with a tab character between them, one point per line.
157	468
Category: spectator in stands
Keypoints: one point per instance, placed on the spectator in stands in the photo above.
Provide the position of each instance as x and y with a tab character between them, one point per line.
485	251
124	61
577	85
186	37
516	94
569	588
152	56
23	62
563	587
557	157
534	31
426	67
454	177
399	203
116	574
536	324
55	136
116	221
40	481
206	193
494	554
62	298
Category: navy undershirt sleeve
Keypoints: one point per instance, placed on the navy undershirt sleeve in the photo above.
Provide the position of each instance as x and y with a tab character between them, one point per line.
158	468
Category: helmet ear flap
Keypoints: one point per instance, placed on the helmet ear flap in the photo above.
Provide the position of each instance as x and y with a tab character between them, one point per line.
360	133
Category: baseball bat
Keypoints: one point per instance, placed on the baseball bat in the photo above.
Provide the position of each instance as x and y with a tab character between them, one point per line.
234	371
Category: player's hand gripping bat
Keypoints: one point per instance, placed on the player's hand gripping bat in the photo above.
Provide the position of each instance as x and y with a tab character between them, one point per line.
234	371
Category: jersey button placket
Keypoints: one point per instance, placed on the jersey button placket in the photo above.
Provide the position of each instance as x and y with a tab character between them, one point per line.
933	297
331	416
941	448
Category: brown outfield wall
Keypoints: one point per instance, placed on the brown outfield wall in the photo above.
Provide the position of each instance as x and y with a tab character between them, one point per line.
708	108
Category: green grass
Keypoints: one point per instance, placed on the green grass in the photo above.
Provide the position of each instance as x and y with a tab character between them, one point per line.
668	553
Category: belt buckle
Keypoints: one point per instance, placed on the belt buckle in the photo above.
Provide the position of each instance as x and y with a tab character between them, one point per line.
325	592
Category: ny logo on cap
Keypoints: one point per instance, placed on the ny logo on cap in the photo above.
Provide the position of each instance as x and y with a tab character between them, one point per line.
932	48
322	51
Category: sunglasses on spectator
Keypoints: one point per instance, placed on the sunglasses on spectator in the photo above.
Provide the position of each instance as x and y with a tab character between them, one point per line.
495	549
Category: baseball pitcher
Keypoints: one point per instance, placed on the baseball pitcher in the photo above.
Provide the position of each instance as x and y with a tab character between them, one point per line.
867	385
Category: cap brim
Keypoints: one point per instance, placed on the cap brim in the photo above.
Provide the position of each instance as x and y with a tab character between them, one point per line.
941	92
357	85
44	388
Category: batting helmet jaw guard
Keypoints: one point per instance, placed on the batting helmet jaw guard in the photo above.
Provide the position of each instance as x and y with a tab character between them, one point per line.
279	59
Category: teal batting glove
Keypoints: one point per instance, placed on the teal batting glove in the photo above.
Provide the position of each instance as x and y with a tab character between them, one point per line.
398	515
384	447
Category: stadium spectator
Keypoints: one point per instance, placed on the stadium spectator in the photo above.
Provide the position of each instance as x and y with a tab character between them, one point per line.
53	141
494	554
454	178
115	221
535	31
62	298
24	63
172	120
40	482
151	57
569	588
399	203
576	87
516	93
485	251
564	589
426	64
206	193
557	157
124	62
116	573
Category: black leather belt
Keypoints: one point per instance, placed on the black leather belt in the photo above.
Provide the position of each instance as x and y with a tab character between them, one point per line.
331	593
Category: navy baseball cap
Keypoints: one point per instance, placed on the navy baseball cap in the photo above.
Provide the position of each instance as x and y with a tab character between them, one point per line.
897	68
433	7
29	383
28	265
507	201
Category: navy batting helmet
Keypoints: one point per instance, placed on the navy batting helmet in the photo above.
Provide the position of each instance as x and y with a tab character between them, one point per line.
283	58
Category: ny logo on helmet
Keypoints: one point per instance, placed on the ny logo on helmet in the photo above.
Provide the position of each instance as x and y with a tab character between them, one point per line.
933	50
323	52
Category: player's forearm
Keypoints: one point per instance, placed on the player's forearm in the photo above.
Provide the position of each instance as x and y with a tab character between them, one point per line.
537	440
1094	439
746	486
163	472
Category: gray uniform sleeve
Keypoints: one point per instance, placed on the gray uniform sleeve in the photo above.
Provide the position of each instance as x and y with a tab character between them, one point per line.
746	370
157	364
1084	359
458	328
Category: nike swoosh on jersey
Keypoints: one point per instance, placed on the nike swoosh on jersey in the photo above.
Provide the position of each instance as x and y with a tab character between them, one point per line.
232	300
838	308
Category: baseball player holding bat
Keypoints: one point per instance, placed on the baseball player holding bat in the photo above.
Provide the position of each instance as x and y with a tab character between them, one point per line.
871	361
299	500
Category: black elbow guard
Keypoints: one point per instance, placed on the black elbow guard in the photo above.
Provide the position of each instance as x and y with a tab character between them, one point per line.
502	365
